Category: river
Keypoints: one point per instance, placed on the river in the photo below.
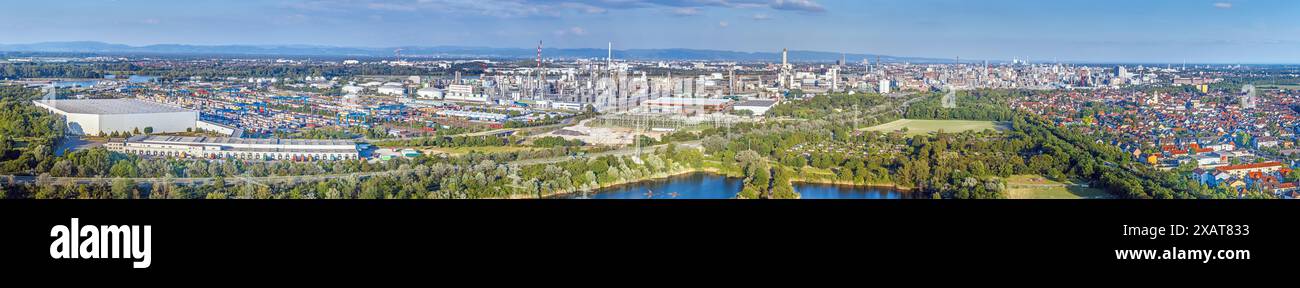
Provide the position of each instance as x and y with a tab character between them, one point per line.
712	186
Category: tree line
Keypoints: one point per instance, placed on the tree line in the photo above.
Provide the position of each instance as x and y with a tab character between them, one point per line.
29	135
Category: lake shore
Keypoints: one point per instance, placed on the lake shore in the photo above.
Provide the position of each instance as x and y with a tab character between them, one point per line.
657	176
890	185
715	173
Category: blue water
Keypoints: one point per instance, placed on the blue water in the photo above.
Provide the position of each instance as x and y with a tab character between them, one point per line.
711	186
690	186
140	79
82	84
824	191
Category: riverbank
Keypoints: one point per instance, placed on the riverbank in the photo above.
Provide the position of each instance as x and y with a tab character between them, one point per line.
805	175
887	185
848	184
656	176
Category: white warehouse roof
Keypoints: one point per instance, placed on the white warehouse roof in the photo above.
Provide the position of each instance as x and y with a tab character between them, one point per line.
677	101
111	106
756	103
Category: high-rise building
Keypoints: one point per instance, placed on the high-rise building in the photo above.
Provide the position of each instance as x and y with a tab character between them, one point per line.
785	58
834	74
786	78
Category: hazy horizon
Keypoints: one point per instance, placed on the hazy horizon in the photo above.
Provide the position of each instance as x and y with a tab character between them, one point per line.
963	60
1105	31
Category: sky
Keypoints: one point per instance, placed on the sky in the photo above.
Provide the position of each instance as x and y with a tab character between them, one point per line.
1171	31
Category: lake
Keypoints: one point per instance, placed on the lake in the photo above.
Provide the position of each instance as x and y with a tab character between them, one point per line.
141	79
712	186
72	84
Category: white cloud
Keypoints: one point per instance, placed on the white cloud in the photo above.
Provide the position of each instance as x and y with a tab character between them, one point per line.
1223	5
546	8
723	24
798	5
584	8
686	11
761	17
572	31
391	7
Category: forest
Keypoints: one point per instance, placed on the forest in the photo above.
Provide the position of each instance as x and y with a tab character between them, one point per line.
823	105
982	104
424	177
29	135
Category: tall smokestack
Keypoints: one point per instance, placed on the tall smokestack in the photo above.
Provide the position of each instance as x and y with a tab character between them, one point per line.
785	53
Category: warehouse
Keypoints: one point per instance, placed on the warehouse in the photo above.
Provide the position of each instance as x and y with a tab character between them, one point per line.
757	107
687	106
96	116
464	93
236	148
392	89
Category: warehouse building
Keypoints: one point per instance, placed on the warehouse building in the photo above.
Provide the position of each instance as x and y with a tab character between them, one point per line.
464	93
95	116
392	89
687	106
758	107
236	148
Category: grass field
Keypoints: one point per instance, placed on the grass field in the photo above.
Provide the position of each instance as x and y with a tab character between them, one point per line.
1037	187
921	127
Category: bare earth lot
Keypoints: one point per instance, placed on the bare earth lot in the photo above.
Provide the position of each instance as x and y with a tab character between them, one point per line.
1037	187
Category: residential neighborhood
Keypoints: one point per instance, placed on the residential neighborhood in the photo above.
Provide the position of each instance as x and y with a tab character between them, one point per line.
1226	137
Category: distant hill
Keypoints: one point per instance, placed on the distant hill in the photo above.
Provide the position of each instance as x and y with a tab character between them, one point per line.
449	51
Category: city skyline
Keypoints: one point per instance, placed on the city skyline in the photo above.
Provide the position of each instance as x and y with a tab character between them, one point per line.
1249	32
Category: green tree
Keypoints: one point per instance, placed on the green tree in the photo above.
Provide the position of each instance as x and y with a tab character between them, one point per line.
123	168
5	145
124	189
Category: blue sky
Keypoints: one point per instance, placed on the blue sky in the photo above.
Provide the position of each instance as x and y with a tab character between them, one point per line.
1220	31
